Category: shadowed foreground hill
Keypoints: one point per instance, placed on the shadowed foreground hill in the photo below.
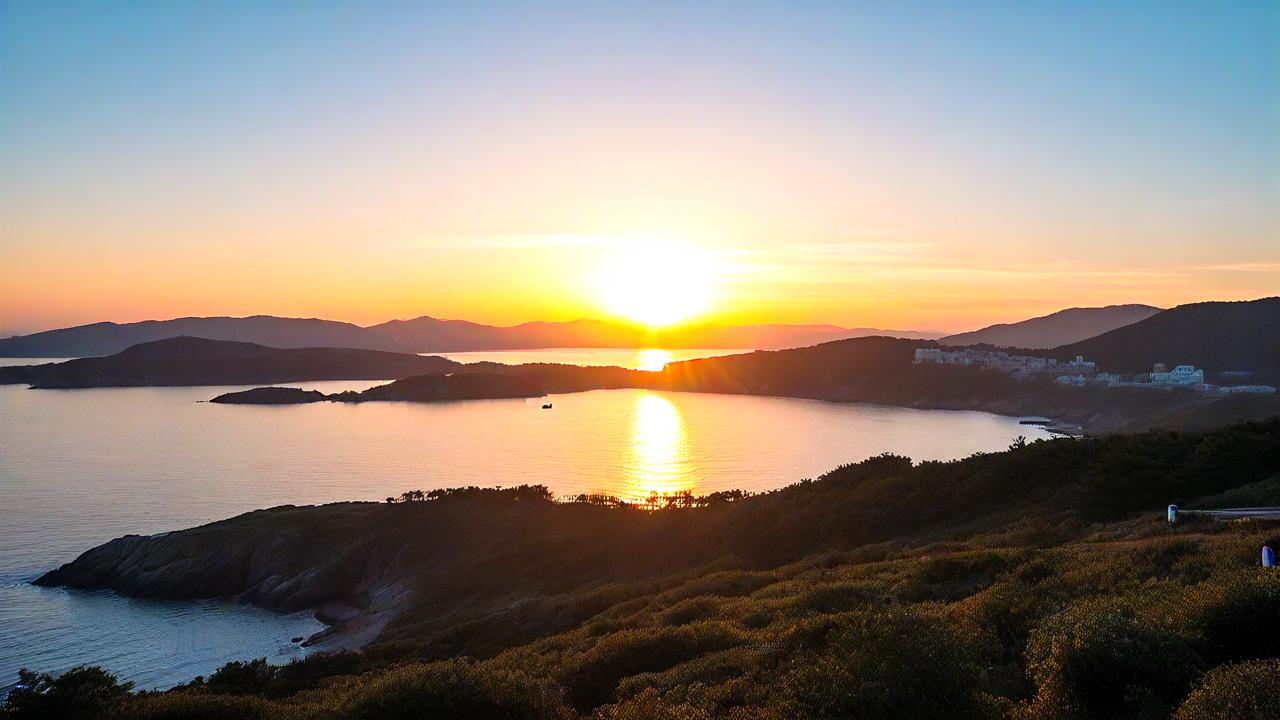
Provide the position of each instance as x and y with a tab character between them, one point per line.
1216	336
1041	582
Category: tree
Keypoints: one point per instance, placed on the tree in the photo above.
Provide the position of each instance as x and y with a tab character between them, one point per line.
81	693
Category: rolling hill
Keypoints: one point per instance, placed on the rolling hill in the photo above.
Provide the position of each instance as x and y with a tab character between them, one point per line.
1038	583
197	361
1056	329
1216	336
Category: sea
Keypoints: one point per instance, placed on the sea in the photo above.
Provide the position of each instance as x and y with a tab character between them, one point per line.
80	467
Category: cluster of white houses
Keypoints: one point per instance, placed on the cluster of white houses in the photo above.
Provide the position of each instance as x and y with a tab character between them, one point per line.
1082	372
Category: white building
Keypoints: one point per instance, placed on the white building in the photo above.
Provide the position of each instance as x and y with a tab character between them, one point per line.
930	355
1182	375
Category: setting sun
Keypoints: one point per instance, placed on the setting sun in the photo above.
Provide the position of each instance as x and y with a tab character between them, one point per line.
658	285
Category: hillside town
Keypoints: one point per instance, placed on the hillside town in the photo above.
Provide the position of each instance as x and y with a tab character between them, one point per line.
1080	372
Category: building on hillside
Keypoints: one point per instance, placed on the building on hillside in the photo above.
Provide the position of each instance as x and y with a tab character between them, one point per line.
1181	376
1079	365
928	355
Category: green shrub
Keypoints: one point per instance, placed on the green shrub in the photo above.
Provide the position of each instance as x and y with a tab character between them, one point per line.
687	611
203	706
1236	617
708	670
448	690
1245	691
81	693
1097	659
592	679
243	678
888	664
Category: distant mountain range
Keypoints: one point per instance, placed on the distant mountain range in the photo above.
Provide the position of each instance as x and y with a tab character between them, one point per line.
1217	336
1051	331
424	335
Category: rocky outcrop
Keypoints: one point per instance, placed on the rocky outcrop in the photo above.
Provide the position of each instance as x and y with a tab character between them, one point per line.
270	396
470	386
420	388
286	559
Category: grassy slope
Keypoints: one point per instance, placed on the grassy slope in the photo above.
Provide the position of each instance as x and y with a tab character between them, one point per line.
1036	583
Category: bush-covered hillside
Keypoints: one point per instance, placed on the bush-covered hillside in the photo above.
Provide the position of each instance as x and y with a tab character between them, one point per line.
1040	582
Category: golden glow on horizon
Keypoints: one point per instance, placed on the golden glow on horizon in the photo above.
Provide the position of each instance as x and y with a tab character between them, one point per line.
653	359
657	284
659	449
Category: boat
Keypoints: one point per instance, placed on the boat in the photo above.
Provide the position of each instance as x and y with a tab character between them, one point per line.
546	406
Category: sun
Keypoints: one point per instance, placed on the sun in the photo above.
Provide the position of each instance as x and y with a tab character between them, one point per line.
657	284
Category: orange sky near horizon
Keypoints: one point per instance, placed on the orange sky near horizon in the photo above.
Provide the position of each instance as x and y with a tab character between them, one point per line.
927	167
511	279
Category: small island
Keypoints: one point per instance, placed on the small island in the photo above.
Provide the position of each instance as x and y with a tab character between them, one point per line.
271	396
419	388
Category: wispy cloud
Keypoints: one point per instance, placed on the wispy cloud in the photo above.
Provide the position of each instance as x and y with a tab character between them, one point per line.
517	241
1249	267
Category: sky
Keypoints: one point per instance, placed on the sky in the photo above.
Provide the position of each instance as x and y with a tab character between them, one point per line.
900	165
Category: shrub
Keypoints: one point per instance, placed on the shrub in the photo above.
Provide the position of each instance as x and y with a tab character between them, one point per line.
243	678
1098	660
454	689
591	681
1235	618
202	706
81	693
687	611
1244	691
889	664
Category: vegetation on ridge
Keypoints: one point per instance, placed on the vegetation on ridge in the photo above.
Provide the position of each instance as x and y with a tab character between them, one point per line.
1040	582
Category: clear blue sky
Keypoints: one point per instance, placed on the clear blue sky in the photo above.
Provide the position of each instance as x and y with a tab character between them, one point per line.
947	151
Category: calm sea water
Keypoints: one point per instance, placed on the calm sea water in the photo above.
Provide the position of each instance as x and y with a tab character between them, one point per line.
80	467
635	359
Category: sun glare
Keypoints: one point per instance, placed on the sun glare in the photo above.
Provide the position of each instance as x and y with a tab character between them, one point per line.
659	449
657	285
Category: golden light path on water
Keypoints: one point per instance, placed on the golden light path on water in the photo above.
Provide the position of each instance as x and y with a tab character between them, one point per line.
659	449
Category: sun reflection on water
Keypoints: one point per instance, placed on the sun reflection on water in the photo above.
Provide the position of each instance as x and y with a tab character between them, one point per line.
659	449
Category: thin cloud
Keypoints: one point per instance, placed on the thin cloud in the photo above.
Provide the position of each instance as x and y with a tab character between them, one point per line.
517	241
1246	267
